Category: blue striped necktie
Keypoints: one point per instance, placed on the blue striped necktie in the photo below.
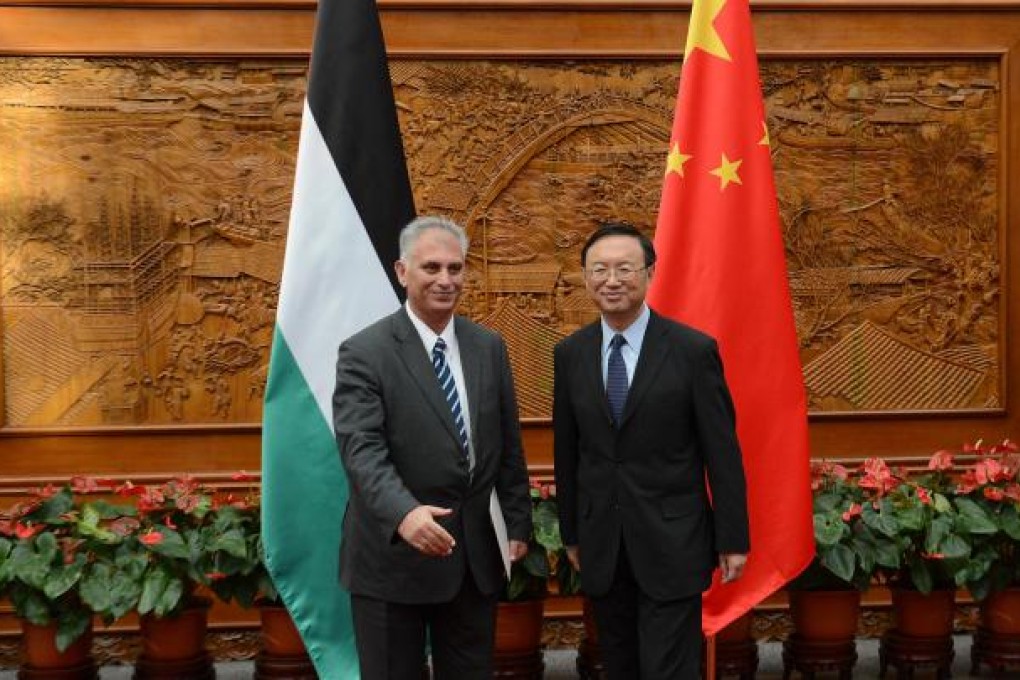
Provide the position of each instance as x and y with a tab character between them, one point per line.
449	387
616	379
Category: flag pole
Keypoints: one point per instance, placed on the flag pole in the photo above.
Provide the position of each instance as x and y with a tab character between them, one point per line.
710	657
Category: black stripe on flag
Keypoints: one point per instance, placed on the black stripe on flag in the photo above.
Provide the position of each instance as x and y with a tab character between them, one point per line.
351	98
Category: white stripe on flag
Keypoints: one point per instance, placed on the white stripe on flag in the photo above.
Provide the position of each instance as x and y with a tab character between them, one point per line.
333	282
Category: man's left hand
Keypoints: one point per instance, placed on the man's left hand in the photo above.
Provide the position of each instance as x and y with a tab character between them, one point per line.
518	549
732	566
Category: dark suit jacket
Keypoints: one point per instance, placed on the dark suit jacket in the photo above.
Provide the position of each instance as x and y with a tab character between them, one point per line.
646	480
399	446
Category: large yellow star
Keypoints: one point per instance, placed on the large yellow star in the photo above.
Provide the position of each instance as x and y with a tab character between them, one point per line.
765	141
675	160
702	33
727	172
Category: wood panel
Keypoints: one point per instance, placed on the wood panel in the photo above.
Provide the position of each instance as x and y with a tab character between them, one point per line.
517	32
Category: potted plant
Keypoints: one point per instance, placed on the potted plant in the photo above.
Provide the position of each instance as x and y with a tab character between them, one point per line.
519	612
987	497
825	599
236	569
42	561
176	542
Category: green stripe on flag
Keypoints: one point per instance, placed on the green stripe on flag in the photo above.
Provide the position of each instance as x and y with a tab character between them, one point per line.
302	510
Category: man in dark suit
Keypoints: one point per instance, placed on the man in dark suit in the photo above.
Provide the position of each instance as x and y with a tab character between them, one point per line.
427	424
641	415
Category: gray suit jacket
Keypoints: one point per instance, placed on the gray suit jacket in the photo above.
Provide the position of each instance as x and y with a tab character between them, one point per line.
399	447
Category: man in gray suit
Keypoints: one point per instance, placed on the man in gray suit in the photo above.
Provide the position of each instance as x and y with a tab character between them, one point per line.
427	424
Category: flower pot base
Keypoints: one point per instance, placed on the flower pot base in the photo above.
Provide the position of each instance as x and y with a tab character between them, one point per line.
284	667
808	657
908	653
83	671
999	652
734	657
196	668
589	662
520	666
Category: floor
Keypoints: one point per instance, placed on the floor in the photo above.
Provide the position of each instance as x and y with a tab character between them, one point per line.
560	664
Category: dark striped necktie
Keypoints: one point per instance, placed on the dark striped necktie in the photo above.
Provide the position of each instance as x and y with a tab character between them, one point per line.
616	379
449	387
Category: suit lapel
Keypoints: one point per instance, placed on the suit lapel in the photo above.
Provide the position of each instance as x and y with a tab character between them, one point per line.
416	361
471	355
591	360
654	350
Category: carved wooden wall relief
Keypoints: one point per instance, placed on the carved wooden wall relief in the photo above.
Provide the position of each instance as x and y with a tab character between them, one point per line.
144	202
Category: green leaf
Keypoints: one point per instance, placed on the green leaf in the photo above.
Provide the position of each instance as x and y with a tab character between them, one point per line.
547	527
171	598
911	515
921	576
62	579
882	522
1009	521
57	505
829	529
232	543
71	626
954	547
172	545
973	519
942	504
536	563
153	586
840	560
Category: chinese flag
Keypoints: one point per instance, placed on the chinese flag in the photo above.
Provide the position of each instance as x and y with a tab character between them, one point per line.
722	269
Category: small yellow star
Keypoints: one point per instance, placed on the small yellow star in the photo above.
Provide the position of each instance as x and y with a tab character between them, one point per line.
702	33
727	172
675	160
765	141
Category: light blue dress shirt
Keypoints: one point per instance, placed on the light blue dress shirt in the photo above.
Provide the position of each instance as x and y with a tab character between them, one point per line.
634	334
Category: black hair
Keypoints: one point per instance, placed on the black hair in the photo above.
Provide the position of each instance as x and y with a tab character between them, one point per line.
620	229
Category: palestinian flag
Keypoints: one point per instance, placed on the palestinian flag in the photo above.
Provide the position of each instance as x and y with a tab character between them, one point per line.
351	198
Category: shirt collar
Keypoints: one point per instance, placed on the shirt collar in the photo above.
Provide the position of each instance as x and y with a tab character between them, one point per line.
429	336
634	334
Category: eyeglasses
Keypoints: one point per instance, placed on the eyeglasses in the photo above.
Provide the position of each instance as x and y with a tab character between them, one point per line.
624	272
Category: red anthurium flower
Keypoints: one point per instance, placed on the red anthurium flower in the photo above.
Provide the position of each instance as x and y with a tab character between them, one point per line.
1006	446
878	476
933	556
84	484
854	510
215	575
994	494
152	537
26	531
976	447
46	491
169	522
127	489
924	496
150	499
941	461
1012	492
